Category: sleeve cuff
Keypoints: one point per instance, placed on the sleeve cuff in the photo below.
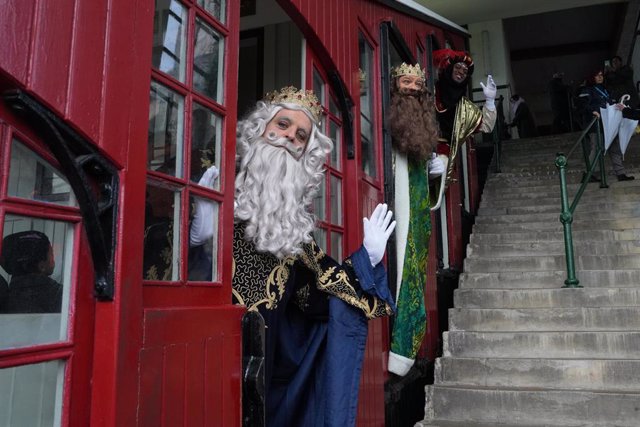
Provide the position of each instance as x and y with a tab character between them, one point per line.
399	365
373	280
443	148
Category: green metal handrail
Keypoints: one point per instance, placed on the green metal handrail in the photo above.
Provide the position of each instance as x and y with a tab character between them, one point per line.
566	216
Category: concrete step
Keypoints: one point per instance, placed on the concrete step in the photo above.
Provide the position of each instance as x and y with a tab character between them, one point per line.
552	345
545	319
536	373
550	187
579	223
553	198
559	408
547	298
550	263
548	279
624	247
554	235
599	214
630	207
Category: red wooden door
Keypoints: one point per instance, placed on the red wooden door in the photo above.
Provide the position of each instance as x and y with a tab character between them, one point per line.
190	360
46	295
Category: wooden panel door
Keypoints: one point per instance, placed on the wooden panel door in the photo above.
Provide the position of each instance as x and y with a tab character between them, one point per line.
190	358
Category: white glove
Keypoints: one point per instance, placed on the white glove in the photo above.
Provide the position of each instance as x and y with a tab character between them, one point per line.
377	230
209	177
202	224
490	91
435	166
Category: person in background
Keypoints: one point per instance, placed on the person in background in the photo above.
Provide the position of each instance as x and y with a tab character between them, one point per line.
28	257
522	118
559	97
599	97
315	308
414	133
618	79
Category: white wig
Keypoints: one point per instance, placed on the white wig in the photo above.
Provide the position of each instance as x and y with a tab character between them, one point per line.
273	190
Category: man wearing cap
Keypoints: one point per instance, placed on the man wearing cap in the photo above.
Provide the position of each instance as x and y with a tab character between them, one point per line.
414	132
315	308
458	117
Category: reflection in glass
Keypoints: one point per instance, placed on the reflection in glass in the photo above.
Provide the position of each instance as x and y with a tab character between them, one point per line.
336	245
334	134
166	129
366	109
215	7
32	177
35	281
161	234
203	240
320	202
207	61
320	236
206	135
169	47
336	200
333	107
32	395
318	86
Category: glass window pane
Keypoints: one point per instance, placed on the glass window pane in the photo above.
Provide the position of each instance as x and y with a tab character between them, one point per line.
336	200
208	61
166	130
161	234
336	245
215	7
206	137
203	240
333	107
320	236
35	281
318	86
335	135
320	202
366	108
32	395
32	177
169	40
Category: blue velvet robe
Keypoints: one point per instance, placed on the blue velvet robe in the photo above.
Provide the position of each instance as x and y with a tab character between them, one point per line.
316	313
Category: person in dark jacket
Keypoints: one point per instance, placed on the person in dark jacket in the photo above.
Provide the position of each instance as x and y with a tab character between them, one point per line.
28	257
599	97
619	81
522	118
559	97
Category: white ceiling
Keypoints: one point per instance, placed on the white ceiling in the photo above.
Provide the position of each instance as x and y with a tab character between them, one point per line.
472	11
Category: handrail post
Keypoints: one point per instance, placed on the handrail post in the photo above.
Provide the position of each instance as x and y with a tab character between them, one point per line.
600	142
566	218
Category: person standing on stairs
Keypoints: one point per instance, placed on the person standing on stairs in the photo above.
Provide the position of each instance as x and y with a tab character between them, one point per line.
457	116
599	97
414	133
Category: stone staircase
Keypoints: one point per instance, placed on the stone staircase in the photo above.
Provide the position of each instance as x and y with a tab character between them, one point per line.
521	350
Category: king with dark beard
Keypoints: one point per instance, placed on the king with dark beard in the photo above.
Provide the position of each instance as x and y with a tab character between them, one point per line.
414	132
315	309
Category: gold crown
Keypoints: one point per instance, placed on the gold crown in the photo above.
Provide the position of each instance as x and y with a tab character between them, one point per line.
291	95
407	70
362	76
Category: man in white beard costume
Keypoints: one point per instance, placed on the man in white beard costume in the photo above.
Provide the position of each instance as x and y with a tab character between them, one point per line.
315	308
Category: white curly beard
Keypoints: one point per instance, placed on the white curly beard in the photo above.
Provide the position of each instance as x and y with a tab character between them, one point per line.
273	194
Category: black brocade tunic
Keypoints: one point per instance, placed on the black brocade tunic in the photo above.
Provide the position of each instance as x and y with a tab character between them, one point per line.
293	295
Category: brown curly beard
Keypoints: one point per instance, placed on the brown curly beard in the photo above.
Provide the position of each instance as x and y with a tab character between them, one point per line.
412	122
